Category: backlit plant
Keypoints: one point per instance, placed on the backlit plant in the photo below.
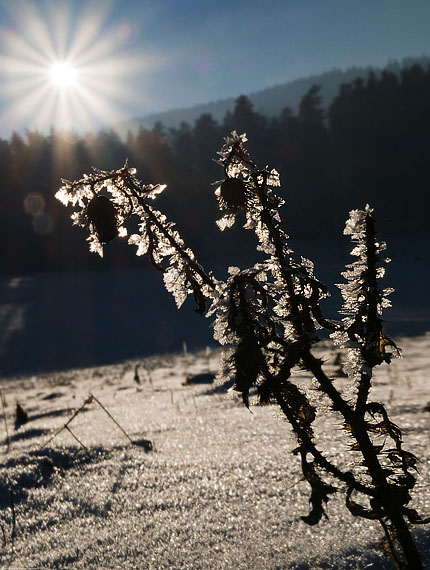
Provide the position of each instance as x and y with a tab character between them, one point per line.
269	316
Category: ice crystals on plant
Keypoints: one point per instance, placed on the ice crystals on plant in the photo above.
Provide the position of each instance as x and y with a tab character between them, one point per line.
103	201
235	192
363	301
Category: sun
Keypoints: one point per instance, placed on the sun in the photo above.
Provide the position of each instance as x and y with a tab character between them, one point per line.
63	75
66	67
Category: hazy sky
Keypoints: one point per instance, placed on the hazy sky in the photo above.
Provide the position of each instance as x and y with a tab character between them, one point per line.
133	57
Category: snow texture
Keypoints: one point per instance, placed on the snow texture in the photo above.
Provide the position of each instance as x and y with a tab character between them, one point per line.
221	489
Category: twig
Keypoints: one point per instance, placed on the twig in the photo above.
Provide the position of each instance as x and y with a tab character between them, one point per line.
4	534
148	373
4	419
75	437
112	418
13	532
66	425
136	374
295	483
91	398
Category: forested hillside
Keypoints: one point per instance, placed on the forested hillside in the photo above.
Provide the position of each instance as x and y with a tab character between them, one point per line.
272	100
370	146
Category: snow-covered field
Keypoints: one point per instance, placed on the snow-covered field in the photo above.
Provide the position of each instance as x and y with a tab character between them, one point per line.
220	489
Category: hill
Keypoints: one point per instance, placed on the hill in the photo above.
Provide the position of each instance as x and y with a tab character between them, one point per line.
272	100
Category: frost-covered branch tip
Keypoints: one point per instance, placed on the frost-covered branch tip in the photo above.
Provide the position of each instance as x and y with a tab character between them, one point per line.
363	300
103	202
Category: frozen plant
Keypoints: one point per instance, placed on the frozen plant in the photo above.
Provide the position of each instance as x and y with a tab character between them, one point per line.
270	316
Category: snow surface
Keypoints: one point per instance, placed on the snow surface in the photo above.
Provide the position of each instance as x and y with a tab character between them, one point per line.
220	490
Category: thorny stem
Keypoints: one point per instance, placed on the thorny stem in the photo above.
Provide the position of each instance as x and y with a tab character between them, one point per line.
403	535
355	418
302	321
383	491
373	326
207	280
363	391
308	359
284	266
280	253
275	383
322	461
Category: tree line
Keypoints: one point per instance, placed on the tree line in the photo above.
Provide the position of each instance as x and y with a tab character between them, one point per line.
370	145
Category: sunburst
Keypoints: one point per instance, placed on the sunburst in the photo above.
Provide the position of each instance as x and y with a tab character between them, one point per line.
66	68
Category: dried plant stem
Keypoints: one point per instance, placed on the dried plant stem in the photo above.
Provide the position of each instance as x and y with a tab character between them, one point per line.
295	483
112	418
66	425
2	398
4	534
13	531
322	461
13	527
75	437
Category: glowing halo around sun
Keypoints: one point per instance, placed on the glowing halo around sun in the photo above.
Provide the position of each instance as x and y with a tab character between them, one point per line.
67	68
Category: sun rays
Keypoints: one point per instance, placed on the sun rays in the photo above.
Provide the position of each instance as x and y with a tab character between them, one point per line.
65	68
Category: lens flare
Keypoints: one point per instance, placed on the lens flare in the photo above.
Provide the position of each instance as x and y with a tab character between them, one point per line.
43	224
34	204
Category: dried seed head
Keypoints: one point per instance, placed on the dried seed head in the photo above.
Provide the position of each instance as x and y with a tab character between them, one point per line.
103	217
233	193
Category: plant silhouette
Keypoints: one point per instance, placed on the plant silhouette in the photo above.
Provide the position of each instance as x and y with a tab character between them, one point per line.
270	316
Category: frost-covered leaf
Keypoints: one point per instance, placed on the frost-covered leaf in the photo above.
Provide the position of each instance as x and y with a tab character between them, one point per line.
226	222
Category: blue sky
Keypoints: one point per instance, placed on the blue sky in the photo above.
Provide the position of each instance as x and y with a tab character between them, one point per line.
134	57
